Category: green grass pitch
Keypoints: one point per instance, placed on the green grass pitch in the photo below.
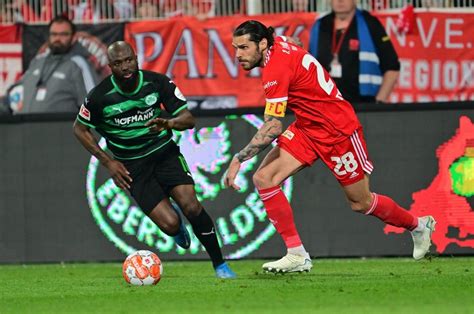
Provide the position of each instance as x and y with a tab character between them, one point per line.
390	285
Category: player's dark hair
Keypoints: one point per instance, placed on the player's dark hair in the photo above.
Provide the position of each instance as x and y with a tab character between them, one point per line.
63	19
256	30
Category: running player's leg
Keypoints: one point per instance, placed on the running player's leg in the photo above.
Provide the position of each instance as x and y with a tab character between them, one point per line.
381	206
275	168
203	226
350	165
150	196
278	165
165	217
175	177
163	214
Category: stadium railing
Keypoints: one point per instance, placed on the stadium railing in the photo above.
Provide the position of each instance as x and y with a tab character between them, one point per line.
100	11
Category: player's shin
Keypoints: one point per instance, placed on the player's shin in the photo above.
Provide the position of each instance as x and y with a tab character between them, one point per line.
280	214
204	230
391	213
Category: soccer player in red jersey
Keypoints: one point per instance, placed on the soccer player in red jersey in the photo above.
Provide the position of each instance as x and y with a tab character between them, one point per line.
326	127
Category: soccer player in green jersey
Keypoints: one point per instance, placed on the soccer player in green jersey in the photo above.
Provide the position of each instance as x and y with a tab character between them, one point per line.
126	109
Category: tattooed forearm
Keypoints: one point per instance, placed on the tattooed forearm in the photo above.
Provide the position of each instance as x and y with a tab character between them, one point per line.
269	131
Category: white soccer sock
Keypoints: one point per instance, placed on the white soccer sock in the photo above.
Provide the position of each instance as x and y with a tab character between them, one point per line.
299	250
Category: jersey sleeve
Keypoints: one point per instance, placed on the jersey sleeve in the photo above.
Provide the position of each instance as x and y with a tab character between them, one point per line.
387	55
276	82
172	98
89	113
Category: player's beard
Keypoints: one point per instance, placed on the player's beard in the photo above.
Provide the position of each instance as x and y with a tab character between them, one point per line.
128	84
255	61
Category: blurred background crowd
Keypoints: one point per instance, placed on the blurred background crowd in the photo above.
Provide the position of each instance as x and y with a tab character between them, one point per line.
42	11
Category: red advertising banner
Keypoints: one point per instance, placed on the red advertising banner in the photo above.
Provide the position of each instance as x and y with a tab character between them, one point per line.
199	57
437	59
10	56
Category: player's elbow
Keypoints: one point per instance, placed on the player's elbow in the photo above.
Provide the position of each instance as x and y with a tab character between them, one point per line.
79	129
75	129
192	122
187	119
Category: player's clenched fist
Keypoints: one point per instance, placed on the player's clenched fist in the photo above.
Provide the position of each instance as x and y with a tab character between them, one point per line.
231	174
159	124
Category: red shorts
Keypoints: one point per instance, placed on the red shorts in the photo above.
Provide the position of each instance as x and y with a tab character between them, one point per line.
348	159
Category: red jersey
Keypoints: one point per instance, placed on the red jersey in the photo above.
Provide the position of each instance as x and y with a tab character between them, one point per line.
293	76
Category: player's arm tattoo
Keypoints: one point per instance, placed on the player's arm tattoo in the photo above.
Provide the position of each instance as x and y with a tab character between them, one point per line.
270	130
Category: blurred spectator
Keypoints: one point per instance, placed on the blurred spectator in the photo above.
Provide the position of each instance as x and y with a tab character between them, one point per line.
300	5
123	9
6	13
147	10
199	8
172	8
83	11
202	9
282	6
17	11
23	11
56	80
354	48
226	7
90	11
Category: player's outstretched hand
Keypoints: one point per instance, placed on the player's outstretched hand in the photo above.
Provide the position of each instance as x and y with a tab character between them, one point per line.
119	174
158	124
231	174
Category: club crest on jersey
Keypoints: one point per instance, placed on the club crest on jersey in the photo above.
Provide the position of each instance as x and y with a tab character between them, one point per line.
84	113
150	100
276	109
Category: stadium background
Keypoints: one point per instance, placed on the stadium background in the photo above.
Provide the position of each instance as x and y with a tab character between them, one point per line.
422	146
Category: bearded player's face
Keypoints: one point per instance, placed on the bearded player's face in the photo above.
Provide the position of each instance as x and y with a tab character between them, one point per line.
247	52
124	65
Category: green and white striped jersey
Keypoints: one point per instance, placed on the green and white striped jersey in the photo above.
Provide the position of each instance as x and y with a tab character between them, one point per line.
120	117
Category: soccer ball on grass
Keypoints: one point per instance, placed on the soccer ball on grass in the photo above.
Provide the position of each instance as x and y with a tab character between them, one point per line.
142	268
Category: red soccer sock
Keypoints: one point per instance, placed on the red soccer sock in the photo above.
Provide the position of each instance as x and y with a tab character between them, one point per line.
391	213
280	215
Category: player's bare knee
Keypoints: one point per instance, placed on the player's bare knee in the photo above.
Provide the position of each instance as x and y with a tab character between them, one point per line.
170	226
357	207
360	206
262	180
191	209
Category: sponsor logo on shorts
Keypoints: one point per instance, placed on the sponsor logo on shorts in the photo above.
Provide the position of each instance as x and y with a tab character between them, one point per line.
353	175
288	134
